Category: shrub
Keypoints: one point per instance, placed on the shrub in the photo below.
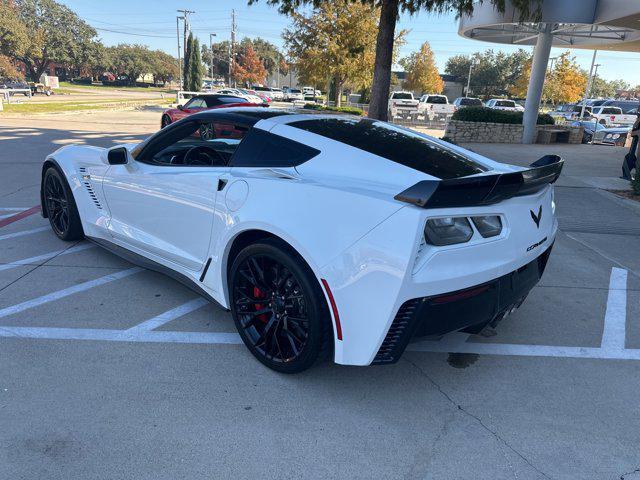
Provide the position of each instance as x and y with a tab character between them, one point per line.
350	110
484	114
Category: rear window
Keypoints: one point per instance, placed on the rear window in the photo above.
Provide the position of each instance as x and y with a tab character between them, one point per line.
505	103
471	102
395	144
434	99
264	149
215	101
295	90
402	96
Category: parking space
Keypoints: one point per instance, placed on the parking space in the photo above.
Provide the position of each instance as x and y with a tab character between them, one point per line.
112	371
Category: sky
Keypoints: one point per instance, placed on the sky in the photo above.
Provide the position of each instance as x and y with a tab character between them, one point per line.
153	23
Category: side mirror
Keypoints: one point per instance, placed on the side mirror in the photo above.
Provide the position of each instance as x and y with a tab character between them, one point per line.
181	107
118	156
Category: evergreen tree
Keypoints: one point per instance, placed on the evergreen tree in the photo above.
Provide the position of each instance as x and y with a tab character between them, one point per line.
186	69
195	66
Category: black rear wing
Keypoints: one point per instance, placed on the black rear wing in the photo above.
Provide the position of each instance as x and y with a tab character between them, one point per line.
483	190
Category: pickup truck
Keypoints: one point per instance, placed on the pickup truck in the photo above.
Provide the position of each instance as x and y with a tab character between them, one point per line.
435	107
610	116
403	105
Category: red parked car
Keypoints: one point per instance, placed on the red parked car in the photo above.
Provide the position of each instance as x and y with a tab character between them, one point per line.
200	103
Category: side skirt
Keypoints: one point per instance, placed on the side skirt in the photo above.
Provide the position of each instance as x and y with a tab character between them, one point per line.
147	263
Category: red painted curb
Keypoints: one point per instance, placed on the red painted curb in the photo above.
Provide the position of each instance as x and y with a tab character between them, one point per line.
19	216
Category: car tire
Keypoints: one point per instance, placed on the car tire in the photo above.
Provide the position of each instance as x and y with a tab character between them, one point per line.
60	206
271	278
166	121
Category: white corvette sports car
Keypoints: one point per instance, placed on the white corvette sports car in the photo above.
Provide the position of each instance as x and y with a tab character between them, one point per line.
324	235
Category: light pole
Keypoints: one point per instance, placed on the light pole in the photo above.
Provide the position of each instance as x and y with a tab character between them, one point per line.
588	89
469	77
211	35
179	60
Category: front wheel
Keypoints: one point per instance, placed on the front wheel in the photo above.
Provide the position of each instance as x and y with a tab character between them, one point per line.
166	120
60	206
278	307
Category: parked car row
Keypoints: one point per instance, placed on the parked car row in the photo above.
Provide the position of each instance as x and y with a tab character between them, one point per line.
605	112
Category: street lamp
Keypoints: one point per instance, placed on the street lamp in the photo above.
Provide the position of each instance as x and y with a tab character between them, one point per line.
211	35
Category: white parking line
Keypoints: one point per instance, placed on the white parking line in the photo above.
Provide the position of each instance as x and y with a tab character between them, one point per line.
615	318
25	232
214	338
81	287
168	316
46	256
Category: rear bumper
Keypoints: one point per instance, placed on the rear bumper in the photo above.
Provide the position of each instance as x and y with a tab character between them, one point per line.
476	307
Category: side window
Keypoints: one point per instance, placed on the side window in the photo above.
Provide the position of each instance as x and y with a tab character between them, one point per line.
196	103
264	149
196	144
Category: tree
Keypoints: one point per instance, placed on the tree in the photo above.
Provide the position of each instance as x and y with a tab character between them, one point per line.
335	41
164	67
389	11
566	83
266	51
493	73
13	33
422	74
249	68
8	69
220	58
194	82
56	34
605	88
186	68
131	60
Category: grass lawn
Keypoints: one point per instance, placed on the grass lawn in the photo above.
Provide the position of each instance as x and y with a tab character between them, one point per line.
66	85
52	107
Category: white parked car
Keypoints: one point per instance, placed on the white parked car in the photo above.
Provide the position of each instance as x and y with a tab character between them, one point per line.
325	235
403	105
293	94
276	94
435	107
239	93
612	116
504	104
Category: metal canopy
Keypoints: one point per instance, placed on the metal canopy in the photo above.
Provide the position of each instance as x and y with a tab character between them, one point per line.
589	24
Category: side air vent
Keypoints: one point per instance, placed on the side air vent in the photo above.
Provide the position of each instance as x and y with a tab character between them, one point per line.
86	181
398	335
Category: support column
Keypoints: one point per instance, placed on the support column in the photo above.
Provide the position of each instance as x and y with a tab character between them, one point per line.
536	82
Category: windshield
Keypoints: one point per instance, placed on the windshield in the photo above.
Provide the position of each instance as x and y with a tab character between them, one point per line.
471	102
396	144
505	103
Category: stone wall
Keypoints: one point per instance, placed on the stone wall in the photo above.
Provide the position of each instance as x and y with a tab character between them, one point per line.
489	132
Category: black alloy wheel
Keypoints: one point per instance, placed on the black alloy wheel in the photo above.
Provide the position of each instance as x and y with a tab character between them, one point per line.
60	207
278	307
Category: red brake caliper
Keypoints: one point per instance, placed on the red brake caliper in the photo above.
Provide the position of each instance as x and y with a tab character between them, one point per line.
257	293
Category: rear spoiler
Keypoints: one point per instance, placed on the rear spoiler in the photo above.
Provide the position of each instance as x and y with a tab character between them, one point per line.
483	190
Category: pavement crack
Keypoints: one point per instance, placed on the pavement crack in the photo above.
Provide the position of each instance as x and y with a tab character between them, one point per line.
494	433
622	477
19	189
39	265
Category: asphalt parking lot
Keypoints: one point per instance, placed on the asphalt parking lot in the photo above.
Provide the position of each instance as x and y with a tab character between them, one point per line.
108	371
